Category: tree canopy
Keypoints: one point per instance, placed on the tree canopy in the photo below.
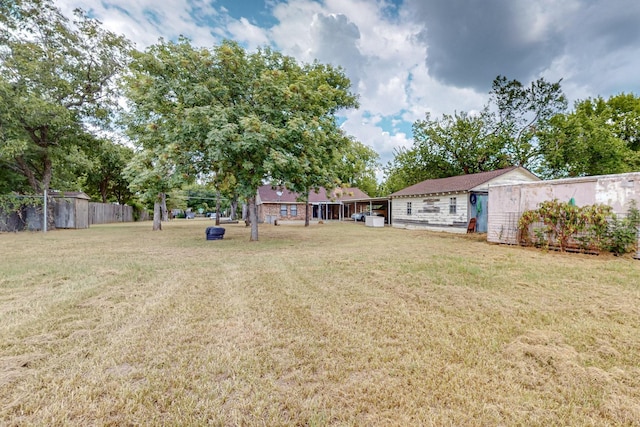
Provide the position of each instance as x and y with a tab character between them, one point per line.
598	137
523	113
234	116
506	132
57	84
104	177
357	167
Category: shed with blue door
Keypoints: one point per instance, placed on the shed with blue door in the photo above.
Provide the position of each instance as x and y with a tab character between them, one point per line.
449	204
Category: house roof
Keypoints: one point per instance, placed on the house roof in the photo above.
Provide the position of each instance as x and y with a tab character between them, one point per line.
268	194
452	184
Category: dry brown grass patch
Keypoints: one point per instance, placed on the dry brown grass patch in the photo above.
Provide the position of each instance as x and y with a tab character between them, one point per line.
337	324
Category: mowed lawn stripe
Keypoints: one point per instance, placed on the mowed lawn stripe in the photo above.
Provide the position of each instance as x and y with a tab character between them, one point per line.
335	324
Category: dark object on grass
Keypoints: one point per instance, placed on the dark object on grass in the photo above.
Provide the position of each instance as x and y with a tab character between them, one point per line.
215	233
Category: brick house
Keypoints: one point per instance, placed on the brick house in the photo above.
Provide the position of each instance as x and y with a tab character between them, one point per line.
281	204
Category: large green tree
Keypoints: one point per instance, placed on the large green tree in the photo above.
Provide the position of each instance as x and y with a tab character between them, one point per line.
460	144
506	132
599	137
281	126
523	113
357	167
237	117
164	81
452	145
151	175
56	85
104	178
405	169
316	145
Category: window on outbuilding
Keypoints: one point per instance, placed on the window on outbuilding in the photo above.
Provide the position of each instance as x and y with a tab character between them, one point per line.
408	208
283	210
294	210
452	205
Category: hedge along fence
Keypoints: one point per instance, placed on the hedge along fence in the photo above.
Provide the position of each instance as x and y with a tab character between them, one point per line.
593	228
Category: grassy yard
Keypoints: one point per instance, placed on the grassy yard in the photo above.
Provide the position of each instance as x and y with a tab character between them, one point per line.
337	324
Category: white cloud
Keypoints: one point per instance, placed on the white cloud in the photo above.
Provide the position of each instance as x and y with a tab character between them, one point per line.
292	34
593	45
376	51
144	21
335	39
245	32
367	129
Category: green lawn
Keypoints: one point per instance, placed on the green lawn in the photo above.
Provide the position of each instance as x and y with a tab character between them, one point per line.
335	324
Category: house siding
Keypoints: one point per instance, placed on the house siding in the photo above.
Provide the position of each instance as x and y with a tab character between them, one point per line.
515	176
430	211
267	212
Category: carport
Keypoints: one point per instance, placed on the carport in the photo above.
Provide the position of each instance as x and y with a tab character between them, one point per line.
379	205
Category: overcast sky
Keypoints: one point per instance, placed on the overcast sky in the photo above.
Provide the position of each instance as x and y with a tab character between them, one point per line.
409	57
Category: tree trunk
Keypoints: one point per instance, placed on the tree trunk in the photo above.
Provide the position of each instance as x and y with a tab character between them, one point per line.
218	208
234	208
163	206
28	173
157	218
104	190
51	219
245	213
306	211
253	218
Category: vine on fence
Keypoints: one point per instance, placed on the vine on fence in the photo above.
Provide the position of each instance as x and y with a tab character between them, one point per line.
15	204
591	228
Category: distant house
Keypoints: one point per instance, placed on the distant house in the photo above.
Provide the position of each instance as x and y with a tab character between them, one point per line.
281	204
448	204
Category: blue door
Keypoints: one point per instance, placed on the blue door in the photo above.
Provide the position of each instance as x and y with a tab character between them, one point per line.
482	201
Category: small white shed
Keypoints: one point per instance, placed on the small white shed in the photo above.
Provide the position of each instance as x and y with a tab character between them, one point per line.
448	204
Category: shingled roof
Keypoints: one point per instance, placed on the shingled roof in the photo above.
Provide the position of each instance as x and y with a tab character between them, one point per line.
452	184
268	194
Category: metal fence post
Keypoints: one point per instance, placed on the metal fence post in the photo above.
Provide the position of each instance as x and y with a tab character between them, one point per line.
44	227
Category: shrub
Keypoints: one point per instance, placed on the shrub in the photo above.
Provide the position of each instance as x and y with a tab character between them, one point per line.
623	233
566	224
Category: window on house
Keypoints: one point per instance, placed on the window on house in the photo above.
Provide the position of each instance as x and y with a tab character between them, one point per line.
408	208
283	210
294	210
452	205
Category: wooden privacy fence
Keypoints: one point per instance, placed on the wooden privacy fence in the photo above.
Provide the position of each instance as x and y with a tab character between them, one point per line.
68	211
104	213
